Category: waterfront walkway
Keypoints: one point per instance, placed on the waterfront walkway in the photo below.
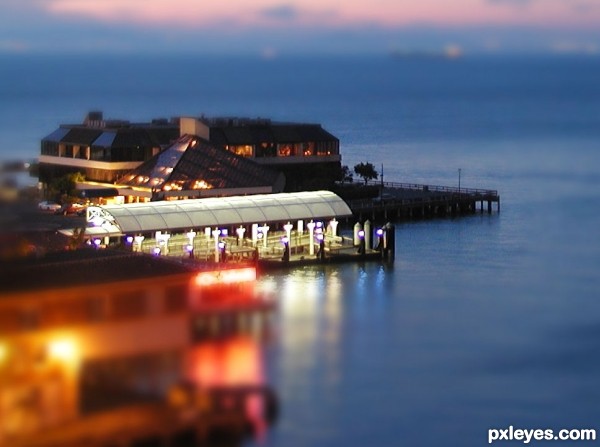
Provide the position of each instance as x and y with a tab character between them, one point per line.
408	201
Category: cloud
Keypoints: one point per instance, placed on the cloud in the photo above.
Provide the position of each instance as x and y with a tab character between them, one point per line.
511	2
280	12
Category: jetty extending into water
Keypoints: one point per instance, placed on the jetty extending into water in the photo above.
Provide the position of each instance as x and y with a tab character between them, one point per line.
410	201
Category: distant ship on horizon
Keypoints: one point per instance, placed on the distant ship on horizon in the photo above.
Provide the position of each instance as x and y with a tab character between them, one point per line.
450	52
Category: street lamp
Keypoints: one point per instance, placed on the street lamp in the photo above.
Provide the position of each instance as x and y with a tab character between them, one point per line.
286	249
311	242
216	233
240	233
265	230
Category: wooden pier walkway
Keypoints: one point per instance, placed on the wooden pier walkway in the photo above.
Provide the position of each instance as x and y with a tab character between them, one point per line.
410	201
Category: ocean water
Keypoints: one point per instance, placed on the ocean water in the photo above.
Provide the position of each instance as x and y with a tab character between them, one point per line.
482	322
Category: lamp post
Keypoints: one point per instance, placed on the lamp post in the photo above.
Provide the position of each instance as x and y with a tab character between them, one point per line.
191	235
216	232
380	233
361	242
240	234
333	223
321	252
138	240
265	230
311	240
254	234
286	249
288	230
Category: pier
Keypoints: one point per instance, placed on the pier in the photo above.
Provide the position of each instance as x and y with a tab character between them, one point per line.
410	201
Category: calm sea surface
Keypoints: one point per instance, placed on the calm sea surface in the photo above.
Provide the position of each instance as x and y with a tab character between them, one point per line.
483	322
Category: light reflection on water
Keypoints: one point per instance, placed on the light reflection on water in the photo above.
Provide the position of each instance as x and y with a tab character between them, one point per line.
482	322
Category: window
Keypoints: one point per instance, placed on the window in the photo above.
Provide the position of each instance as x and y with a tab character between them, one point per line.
176	298
308	149
285	150
128	304
50	148
266	150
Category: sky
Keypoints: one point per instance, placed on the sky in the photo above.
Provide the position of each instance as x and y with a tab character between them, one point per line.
273	27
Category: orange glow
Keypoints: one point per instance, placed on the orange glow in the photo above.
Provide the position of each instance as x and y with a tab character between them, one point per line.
3	352
64	350
231	276
234	362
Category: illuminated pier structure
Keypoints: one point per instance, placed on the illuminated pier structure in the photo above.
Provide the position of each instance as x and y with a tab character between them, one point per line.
268	229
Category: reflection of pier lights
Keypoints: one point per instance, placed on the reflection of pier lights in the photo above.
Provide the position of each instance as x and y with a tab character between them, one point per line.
240	234
138	240
216	232
311	237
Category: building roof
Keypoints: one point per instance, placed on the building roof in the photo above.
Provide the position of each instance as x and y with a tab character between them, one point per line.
261	131
82	267
116	133
192	163
221	211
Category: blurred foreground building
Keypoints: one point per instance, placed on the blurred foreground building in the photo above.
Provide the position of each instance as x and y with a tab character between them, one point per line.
87	334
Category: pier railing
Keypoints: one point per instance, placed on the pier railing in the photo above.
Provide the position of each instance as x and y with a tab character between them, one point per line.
408	198
491	193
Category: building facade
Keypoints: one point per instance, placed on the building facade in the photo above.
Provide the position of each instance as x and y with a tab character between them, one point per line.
308	155
247	155
103	150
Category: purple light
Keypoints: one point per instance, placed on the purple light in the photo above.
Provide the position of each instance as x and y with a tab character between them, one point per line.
221	245
380	232
129	239
284	240
319	237
97	242
224	233
156	251
361	234
189	248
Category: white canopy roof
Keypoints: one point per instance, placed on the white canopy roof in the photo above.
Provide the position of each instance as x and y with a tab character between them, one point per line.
219	211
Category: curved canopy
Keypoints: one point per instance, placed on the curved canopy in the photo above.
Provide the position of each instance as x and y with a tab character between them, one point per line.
219	211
